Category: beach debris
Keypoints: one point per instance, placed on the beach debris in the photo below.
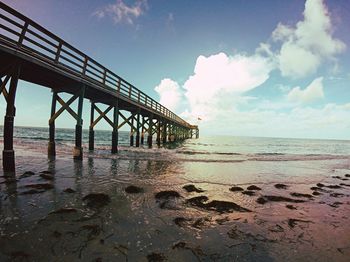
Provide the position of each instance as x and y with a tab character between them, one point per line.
292	222
192	188
156	257
64	210
248	192
294	194
281	186
134	189
69	190
236	189
44	186
167	194
96	200
320	185
253	187
27	174
265	199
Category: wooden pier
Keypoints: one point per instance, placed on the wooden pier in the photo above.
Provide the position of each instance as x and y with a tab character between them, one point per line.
30	52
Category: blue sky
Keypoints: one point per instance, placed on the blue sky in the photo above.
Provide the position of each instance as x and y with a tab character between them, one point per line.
257	68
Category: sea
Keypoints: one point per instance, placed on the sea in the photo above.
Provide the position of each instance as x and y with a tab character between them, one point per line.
215	198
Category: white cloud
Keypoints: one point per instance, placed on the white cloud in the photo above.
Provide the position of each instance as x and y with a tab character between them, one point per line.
311	93
310	42
169	93
218	80
121	12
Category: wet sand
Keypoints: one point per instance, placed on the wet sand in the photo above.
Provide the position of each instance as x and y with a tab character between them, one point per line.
109	209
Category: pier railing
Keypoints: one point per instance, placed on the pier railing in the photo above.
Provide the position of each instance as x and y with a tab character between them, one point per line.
21	33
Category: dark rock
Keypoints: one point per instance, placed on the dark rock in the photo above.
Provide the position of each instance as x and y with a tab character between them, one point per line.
46	172
156	257
180	245
167	194
336	194
334	186
338	177
343	184
133	190
225	206
200	222
347	175
316	193
318	189
192	188
69	190
336	204
280	199
320	185
301	195
56	234
281	186
261	200
293	222
27	174
253	187
96	200
249	193
64	210
236	189
32	191
291	207
45	186
181	221
47	176
197	201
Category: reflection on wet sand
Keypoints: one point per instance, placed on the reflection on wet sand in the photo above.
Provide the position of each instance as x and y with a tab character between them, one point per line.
108	209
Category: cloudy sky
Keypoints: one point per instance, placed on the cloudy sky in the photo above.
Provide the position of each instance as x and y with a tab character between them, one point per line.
252	68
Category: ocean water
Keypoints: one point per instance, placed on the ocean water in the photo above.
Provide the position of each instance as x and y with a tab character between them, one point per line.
43	217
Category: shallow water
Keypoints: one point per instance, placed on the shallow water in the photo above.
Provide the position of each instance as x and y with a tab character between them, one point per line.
139	227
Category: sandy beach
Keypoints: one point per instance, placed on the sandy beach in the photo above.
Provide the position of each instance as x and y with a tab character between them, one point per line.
145	207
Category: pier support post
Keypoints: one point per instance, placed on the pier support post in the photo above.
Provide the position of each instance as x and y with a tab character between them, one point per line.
51	147
78	150
164	132
8	154
138	129
132	130
150	131
143	131
115	129
91	128
158	133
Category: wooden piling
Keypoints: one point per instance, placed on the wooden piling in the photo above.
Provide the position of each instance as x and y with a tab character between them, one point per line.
115	129
91	128
138	129
51	148
150	131
78	150
8	154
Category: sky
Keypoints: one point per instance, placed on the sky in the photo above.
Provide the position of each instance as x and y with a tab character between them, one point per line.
241	68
